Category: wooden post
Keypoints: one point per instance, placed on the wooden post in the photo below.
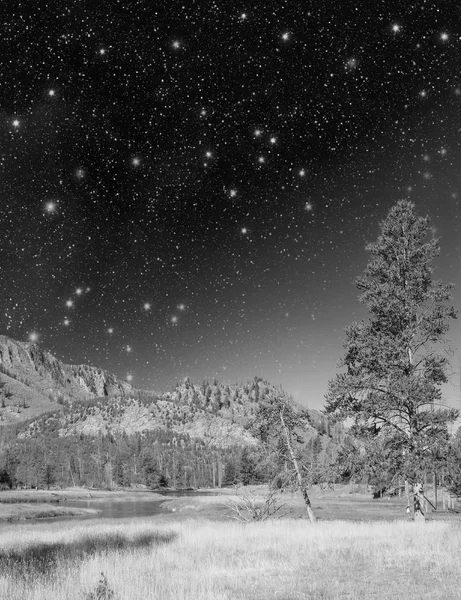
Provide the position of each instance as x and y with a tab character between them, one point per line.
435	489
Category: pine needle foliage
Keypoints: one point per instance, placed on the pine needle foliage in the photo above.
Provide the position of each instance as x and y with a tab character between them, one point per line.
396	361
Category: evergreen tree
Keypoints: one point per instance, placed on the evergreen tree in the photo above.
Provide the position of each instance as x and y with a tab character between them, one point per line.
394	362
231	472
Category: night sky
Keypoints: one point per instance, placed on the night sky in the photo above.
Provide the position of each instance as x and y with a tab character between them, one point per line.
187	187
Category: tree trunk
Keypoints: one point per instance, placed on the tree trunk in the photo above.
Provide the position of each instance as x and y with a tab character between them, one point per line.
220	473
418	499
407	494
310	512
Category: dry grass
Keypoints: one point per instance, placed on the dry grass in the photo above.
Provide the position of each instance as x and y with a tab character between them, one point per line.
17	511
287	559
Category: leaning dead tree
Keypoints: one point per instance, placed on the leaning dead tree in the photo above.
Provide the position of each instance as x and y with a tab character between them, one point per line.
278	425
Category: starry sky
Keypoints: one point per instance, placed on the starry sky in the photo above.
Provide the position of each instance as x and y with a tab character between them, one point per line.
187	187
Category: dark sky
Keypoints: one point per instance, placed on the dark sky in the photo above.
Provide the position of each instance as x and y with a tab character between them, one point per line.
187	187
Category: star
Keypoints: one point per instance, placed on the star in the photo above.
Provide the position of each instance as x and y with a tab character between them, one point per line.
110	330
302	172
51	93
16	123
243	16
66	322
396	28
33	337
50	207
80	173
444	36
261	160
79	291
258	132
208	154
233	193
244	230
203	112
285	36
129	377
443	151
128	348
136	161
273	140
308	206
174	319
102	51
147	306
181	307
69	303
423	93
176	44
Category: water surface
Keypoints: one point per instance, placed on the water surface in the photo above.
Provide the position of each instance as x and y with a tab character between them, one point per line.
129	507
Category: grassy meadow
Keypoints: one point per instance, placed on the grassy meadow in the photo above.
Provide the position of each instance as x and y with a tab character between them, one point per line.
207	560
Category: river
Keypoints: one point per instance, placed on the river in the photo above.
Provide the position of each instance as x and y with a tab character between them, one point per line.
130	507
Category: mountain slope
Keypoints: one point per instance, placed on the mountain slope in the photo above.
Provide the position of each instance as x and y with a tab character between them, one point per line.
44	397
34	381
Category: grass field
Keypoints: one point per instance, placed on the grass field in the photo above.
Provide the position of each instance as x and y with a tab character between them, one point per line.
203	560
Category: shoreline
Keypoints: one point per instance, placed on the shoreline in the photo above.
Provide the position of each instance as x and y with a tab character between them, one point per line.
20	512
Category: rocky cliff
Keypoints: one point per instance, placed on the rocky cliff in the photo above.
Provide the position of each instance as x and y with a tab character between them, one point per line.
33	380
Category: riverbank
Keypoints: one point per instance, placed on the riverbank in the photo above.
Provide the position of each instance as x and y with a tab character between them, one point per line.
345	502
20	505
74	493
27	511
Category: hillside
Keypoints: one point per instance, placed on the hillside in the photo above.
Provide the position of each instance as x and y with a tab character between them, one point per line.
42	396
68	425
33	382
215	413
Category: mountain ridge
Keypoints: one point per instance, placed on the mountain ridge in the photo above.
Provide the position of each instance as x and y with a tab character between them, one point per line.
42	394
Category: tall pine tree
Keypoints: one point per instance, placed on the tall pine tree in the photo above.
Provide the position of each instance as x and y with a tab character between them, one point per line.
396	361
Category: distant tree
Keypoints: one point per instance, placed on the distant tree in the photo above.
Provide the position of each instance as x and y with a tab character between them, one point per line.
453	465
48	475
395	361
2	393
162	481
316	447
231	472
149	468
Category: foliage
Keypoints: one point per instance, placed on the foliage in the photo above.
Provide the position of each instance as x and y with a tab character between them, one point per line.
453	461
395	362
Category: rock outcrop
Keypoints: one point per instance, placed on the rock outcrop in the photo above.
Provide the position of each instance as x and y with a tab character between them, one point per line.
34	379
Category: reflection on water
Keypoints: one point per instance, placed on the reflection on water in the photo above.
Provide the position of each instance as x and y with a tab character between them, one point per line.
130	507
117	509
